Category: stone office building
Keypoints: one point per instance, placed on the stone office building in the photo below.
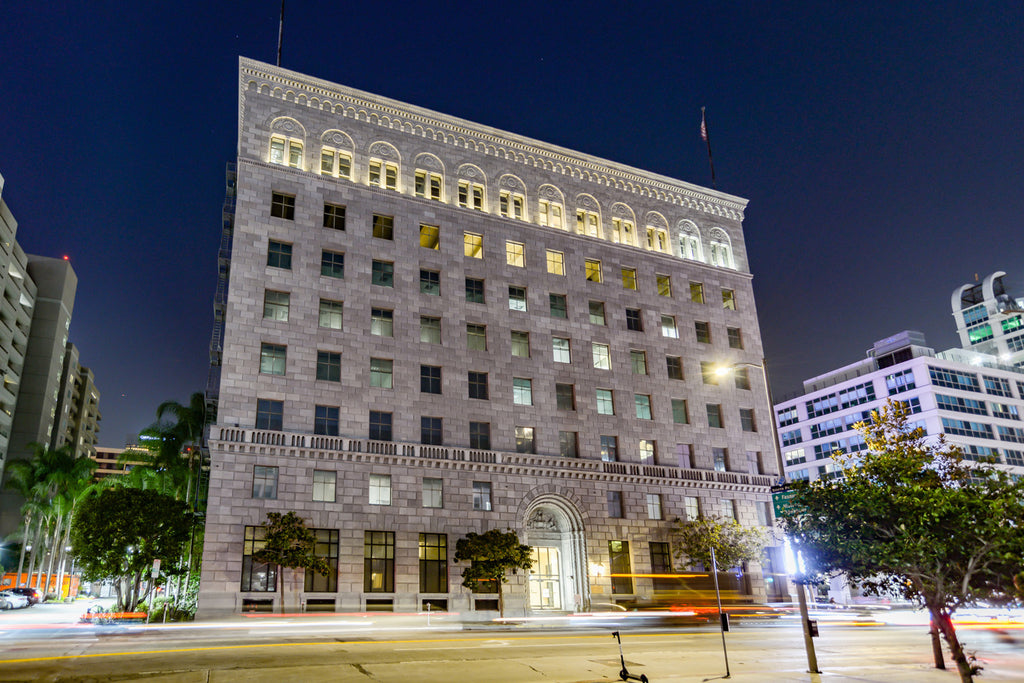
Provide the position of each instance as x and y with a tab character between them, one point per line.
433	327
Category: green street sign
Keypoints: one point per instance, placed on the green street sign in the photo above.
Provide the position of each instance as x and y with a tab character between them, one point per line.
782	502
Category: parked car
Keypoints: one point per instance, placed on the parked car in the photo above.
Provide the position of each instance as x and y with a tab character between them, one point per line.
33	594
11	600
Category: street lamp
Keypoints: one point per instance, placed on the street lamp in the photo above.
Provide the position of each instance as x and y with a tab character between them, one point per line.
722	370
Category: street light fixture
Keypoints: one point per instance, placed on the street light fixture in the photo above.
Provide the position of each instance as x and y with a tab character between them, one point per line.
808	628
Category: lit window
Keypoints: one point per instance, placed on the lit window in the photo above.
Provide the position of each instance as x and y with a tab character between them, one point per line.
588	223
515	254
287	152
629	278
334	216
565	397
728	299
381	373
382	322
609	448
602	356
692	507
476	337
279	255
559	306
433	490
605	402
331	314
264	482
269	414
328	366
556	262
430	237
428	185
653	506
522	391
272	359
638	361
593	270
707	372
335	163
720	459
481	495
474	245
596	309
383	174
430	329
325	485
332	264
325	420
689	246
668	327
471	195
383	274
729	508
480	435
275	305
560	349
623	231
642	403
697	292
383	227
703	330
520	344
721	251
510	204
524	440
516	298
550	214
380	489
664	285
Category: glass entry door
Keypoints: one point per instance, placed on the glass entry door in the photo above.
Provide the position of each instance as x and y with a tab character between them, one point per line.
545	582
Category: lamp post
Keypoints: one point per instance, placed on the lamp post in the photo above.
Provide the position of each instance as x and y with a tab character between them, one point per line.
812	658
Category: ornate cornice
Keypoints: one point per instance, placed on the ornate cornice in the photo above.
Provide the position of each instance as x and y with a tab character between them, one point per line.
299	89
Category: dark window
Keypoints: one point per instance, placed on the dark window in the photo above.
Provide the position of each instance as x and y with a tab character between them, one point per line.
269	414
661	563
279	255
430	379
565	397
615	504
675	367
478	385
383	227
715	415
747	422
609	448
433	563
380	426
480	435
383	274
568	444
332	264
430	282
597	312
325	420
326	547
559	306
621	569
633	320
264	482
735	337
703	331
272	359
379	562
334	216
474	290
282	206
430	431
256	576
328	366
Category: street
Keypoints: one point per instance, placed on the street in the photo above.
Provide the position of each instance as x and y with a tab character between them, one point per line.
44	644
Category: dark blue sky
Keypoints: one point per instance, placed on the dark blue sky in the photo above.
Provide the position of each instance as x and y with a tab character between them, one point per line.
880	146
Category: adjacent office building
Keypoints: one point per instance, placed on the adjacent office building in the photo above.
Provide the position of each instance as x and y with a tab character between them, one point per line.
430	327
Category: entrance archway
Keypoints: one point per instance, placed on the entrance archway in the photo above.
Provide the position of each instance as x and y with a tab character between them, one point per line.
555	534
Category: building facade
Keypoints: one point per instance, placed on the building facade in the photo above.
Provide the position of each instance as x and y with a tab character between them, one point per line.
432	327
77	420
990	320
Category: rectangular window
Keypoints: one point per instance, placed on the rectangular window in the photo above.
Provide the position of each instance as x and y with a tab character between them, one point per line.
560	350
383	174
697	292
638	361
720	459
430	282
325	546
279	145
621	569
741	377
480	435
735	337
605	402
382	322
593	270
597	312
708	372
430	379
634	320
668	327
264	482
522	391
380	489
642	402
478	385
279	255
471	195
430	236
383	227
549	214
481	495
615	504
525	440
728	299
379	562
565	397
684	455
629	278
325	486
334	216
275	305
476	337
588	223
272	359
715	415
381	373
558	305
325	420
515	254
473	245
269	414
646	449
680	411
380	426
520	344
256	576
430	329
328	366
556	262
332	264
474	290
516	298
383	274
431	431
703	331
602	356
282	206
433	490
433	563
427	185
653	506
674	367
691	506
609	448
661	565
510	205
729	508
568	444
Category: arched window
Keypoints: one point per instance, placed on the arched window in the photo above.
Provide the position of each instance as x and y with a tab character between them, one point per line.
551	207
286	142
384	166
721	249
512	197
472	187
689	242
588	216
623	224
429	177
336	154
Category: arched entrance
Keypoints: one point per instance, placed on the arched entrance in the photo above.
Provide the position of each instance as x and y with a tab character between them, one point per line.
554	532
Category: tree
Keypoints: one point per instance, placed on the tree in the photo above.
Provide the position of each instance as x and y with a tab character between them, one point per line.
491	556
119	532
734	544
289	543
909	516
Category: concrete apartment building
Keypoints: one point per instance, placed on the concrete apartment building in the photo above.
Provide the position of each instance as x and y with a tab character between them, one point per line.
432	327
77	419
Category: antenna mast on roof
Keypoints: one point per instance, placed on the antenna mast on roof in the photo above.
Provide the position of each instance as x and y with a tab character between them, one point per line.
280	34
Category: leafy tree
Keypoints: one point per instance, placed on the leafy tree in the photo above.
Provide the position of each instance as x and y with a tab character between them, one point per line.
289	543
119	532
491	556
734	544
909	516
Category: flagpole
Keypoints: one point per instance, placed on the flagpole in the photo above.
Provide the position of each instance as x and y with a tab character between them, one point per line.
280	34
707	138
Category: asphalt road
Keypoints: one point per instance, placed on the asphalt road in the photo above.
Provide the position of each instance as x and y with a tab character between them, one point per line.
44	644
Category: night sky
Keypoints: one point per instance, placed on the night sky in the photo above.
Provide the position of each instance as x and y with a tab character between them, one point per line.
880	147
